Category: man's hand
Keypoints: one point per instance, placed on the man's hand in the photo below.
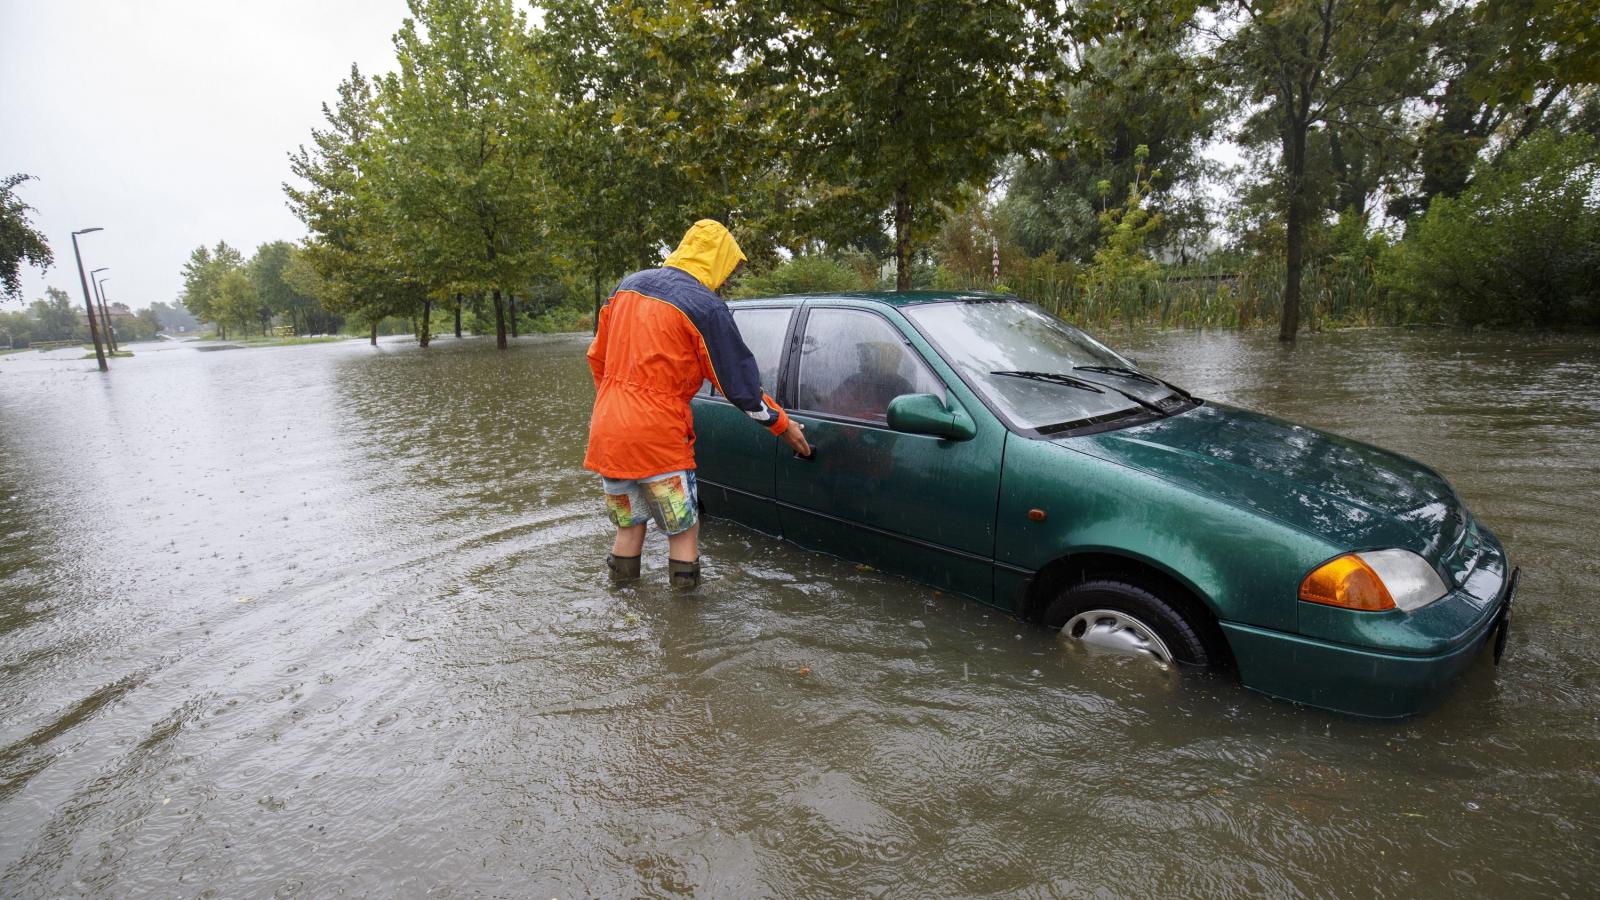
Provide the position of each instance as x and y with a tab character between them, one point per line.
795	437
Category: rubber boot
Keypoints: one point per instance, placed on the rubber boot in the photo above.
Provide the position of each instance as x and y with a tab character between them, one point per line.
623	568
685	576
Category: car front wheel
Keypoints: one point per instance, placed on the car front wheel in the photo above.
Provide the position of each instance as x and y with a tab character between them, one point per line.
1119	617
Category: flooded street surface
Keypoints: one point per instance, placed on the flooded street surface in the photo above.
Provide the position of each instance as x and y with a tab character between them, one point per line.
332	620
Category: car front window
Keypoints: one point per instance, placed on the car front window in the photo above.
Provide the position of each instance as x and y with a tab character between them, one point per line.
853	363
984	338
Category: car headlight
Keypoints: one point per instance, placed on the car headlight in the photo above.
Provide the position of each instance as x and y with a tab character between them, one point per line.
1374	580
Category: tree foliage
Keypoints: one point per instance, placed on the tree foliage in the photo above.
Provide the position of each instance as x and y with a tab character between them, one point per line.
541	160
349	248
454	154
899	107
1136	91
203	280
20	242
1519	245
268	275
53	318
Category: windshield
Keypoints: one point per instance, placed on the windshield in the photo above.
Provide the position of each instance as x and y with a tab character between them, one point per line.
998	345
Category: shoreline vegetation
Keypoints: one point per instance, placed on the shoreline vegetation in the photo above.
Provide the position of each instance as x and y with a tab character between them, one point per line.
1409	163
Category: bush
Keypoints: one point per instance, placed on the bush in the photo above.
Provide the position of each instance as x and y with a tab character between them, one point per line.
1520	246
802	275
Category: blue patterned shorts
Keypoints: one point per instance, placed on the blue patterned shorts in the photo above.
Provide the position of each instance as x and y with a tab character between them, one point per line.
670	499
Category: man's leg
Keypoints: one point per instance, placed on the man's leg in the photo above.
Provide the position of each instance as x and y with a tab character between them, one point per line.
683	546
683	558
623	506
629	542
675	501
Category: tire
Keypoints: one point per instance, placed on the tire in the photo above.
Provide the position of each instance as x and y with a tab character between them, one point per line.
1121	616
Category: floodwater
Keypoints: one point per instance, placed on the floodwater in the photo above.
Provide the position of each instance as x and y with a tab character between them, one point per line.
331	620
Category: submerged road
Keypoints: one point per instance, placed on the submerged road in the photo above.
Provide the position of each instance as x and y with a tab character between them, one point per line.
331	619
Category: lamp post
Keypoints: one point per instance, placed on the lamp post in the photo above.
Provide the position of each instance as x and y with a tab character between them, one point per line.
105	316
100	298
88	303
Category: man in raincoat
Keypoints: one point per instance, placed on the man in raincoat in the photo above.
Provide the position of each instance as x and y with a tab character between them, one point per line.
662	333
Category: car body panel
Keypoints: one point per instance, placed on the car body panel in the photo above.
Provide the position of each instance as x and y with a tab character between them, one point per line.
920	505
1227	555
1359	681
1351	492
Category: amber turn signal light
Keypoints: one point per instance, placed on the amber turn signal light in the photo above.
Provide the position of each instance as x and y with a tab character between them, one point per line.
1346	581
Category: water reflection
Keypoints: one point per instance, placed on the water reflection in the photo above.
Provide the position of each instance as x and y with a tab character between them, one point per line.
325	618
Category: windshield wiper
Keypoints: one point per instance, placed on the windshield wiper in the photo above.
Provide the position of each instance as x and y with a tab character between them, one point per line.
1081	384
1136	375
1084	384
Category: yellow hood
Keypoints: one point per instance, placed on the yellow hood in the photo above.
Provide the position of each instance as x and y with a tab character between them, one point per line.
708	252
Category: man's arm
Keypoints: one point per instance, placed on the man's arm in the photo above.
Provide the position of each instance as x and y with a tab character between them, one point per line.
597	347
729	364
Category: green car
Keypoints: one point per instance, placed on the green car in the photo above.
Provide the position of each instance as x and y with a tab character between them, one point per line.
977	444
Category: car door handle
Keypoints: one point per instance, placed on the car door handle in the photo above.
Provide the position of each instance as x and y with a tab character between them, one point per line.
809	457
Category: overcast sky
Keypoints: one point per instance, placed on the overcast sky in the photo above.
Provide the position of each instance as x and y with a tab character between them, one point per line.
168	122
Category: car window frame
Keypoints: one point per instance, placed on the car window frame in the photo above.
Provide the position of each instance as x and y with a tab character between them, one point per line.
789	371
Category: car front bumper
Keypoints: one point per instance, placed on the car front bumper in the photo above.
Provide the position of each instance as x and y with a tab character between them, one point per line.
1359	681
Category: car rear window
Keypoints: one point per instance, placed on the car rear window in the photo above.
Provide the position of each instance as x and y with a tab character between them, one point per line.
763	330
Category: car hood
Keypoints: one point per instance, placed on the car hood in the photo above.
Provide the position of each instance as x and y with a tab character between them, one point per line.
1353	494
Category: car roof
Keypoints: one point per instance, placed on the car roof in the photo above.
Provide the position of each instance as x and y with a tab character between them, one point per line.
891	298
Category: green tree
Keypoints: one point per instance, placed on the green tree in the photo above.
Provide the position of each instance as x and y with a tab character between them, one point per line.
19	241
1498	72
1305	64
149	324
173	317
1122	270
55	317
1520	245
202	284
276	292
902	105
350	246
1138	90
650	129
455	172
236	302
804	274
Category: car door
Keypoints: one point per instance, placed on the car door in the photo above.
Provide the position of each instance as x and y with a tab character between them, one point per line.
733	455
913	504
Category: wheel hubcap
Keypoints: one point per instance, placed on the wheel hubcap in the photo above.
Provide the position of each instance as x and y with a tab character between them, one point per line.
1117	632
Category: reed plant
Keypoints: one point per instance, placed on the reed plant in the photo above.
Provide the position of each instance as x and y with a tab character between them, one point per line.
1337	292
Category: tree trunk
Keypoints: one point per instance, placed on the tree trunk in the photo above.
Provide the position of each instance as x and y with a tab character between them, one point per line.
458	316
1294	157
425	334
374	337
596	324
499	320
902	238
512	298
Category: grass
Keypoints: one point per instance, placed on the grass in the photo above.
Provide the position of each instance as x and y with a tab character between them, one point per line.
1335	295
269	341
292	341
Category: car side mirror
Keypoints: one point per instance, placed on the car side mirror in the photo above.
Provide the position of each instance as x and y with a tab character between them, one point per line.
927	414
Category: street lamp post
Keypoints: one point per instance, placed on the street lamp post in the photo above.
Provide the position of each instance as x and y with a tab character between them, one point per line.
88	303
105	318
